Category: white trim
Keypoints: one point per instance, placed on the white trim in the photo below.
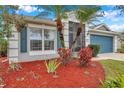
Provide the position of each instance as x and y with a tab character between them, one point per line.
42	52
97	27
42	26
104	32
101	34
13	47
115	46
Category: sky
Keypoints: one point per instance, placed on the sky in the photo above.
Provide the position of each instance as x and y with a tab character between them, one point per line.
112	16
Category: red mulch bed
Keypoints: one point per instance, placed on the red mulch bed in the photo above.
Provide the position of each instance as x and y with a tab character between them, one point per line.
69	76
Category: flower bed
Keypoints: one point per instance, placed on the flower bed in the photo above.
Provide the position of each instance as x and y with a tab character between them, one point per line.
34	75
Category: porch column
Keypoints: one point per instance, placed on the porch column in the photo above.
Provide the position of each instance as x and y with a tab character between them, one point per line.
66	33
87	35
115	44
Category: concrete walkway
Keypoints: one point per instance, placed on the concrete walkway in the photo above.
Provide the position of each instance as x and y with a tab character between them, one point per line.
114	56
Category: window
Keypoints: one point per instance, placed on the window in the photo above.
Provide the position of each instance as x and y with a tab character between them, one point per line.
71	24
49	38
70	39
42	39
36	39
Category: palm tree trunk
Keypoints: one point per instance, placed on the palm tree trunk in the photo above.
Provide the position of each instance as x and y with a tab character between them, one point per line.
73	43
59	29
79	30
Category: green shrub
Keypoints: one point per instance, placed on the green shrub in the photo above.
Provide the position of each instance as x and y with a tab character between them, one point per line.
117	82
52	65
95	49
120	50
122	46
3	47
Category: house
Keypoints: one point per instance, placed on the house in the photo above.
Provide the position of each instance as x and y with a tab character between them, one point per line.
39	41
120	39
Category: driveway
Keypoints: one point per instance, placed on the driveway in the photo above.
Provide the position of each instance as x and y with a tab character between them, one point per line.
114	56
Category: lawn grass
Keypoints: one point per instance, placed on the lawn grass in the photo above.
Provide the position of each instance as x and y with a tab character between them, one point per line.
112	67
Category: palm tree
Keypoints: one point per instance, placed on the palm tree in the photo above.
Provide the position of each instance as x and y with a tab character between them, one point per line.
59	12
85	14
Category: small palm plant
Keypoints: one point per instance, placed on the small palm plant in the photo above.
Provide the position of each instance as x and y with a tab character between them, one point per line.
52	65
14	67
117	82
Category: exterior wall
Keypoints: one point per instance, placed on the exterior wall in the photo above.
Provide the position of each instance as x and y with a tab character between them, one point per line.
13	51
114	39
38	55
14	48
118	43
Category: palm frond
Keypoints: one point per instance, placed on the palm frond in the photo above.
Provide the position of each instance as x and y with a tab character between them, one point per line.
85	14
42	14
59	11
120	7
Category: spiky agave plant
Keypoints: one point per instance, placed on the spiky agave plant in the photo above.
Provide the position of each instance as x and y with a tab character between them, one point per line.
52	65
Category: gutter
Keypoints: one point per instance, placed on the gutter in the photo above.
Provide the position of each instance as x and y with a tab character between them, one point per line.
104	32
40	21
30	19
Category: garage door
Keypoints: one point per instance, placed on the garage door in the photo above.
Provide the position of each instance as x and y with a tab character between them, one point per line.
105	42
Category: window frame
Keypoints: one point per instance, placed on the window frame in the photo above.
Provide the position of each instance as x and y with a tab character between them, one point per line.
43	51
48	40
30	39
